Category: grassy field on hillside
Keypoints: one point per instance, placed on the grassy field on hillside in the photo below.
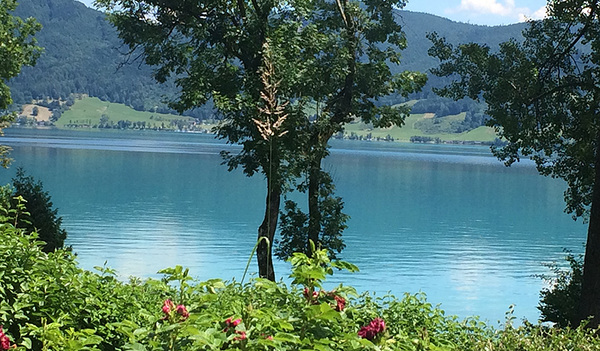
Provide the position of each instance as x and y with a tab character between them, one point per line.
404	133
90	112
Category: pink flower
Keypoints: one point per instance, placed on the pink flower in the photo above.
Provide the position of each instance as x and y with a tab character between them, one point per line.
242	335
310	297
168	306
231	324
370	331
378	324
4	341
181	310
340	303
367	333
268	337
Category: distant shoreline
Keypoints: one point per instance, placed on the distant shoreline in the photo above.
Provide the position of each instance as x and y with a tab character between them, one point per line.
207	131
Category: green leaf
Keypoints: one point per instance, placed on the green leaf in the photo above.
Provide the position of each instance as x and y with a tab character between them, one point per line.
286	337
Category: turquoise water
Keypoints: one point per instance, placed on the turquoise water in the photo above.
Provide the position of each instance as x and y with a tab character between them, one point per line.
450	221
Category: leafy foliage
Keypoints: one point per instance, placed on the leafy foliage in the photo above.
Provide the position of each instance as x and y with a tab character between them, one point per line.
17	48
542	98
41	217
559	300
48	303
294	225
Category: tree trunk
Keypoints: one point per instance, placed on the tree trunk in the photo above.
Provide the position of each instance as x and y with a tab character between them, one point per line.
267	230
589	304
314	211
319	144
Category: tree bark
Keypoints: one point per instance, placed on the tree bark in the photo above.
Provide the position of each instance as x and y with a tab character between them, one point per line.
267	230
314	211
319	142
589	304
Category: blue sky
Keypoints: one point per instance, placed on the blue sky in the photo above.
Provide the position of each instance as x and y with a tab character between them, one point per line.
487	12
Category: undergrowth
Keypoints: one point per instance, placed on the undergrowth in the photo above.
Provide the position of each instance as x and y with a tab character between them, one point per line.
47	302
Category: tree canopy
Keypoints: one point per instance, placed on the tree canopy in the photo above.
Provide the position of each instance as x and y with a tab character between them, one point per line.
284	76
543	98
17	48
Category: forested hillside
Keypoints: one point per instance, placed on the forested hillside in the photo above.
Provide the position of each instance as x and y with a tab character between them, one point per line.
82	54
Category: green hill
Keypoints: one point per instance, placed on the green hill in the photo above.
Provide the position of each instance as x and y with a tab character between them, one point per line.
90	112
414	127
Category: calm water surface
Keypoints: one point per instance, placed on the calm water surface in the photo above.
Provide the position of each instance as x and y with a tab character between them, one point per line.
450	221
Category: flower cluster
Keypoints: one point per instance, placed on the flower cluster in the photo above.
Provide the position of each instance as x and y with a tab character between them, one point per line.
338	303
371	331
231	324
173	312
310	297
5	341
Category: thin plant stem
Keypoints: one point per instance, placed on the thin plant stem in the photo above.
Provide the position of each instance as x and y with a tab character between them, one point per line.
252	255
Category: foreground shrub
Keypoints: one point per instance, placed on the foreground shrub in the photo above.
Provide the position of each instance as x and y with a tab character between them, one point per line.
48	303
40	215
560	300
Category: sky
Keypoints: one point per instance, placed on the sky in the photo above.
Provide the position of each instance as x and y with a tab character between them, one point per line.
485	12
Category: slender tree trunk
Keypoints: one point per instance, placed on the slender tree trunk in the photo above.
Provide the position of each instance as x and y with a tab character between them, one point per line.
314	211
319	140
589	304
267	230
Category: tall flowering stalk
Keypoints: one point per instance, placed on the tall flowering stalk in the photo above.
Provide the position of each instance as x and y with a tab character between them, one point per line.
269	124
273	111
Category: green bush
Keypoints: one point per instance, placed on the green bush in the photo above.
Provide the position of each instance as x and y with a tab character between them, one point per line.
41	217
48	303
560	299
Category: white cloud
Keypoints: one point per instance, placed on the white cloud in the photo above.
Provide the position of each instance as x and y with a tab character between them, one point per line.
502	8
492	7
542	12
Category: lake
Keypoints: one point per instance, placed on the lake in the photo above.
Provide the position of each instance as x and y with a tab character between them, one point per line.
447	220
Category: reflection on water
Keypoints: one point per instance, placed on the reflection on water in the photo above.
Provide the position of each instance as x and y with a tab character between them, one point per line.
447	220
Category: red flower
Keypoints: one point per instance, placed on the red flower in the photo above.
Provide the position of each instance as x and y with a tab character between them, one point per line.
168	305
340	303
311	297
231	324
181	310
370	331
378	324
4	341
242	335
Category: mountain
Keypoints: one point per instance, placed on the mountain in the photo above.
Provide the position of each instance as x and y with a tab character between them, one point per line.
83	54
417	25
